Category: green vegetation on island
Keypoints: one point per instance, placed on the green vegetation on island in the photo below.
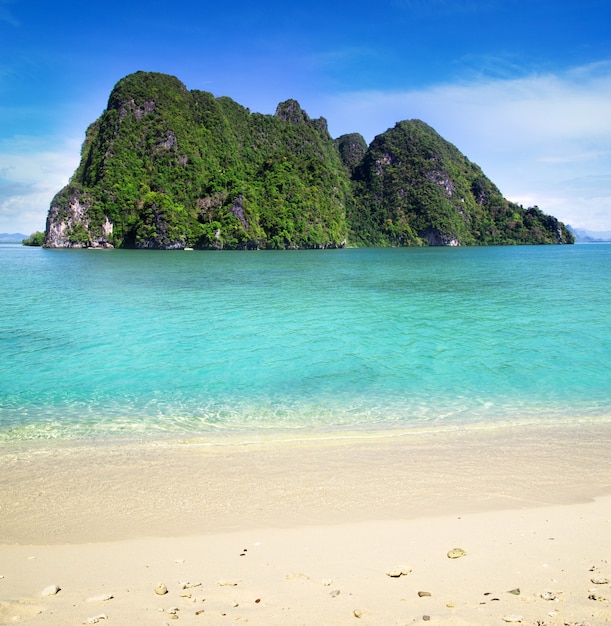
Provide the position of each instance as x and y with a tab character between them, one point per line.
413	187
168	168
36	239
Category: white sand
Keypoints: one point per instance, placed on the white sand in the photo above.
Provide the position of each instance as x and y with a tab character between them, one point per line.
293	523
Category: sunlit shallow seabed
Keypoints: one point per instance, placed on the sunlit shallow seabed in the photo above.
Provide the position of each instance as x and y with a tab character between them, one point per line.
226	346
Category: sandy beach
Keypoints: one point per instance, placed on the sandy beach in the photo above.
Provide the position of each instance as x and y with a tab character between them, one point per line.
311	530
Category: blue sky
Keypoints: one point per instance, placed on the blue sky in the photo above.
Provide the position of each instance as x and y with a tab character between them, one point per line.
521	87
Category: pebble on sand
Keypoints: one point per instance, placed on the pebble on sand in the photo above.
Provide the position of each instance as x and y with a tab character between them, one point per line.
103	597
161	589
399	571
516	619
549	596
51	590
297	576
189	585
456	553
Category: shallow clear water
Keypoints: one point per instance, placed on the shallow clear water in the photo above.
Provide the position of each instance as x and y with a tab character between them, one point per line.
98	343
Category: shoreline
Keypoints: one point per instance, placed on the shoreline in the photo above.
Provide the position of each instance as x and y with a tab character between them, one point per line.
141	432
59	492
306	533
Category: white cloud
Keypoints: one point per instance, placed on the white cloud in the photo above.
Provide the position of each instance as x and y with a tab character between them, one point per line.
32	171
533	136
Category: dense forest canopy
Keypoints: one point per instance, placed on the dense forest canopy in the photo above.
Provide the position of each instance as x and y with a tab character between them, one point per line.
168	168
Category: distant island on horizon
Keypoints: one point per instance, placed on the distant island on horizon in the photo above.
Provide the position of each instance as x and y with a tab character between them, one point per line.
12	237
582	235
168	168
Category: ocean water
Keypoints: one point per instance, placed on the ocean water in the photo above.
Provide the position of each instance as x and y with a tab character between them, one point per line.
99	344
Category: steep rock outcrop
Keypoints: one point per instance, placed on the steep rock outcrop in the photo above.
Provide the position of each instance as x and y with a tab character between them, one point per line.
414	187
68	225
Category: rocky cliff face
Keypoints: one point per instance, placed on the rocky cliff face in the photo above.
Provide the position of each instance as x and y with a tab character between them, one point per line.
167	168
68	225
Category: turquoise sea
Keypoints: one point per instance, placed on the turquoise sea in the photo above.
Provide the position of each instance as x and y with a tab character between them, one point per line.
99	344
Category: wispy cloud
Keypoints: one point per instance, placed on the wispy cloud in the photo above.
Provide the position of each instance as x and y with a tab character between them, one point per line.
6	14
31	173
531	135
